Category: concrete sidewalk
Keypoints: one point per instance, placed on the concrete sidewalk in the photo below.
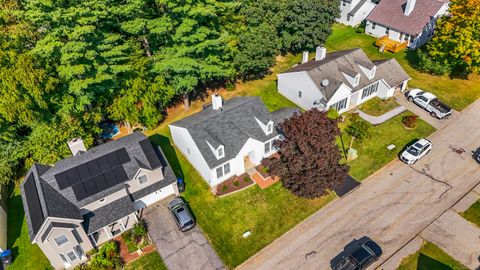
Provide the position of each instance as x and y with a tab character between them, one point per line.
376	120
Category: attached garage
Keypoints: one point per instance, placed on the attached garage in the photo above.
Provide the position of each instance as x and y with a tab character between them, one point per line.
154	197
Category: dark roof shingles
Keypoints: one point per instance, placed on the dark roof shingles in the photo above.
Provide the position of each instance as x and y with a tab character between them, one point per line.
390	13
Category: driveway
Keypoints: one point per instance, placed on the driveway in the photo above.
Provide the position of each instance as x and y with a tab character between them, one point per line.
179	250
424	115
392	206
457	237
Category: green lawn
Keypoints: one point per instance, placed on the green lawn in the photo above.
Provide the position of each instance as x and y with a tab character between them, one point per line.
266	213
473	213
458	93
373	153
430	257
377	106
25	255
151	261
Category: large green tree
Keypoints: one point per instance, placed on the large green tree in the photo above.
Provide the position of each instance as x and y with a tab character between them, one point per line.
198	48
308	23
456	42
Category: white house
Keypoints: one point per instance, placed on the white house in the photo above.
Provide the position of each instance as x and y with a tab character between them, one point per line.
93	196
340	80
411	21
228	137
354	12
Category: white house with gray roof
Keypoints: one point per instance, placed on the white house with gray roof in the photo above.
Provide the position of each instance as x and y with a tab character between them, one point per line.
228	137
411	21
340	80
97	194
354	12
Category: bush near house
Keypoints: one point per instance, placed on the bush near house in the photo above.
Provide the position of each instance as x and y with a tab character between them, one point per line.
107	257
136	238
410	121
358	128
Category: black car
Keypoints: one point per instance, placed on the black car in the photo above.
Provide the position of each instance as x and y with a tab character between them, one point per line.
182	216
360	258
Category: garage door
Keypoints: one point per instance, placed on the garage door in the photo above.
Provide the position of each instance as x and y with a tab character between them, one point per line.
154	197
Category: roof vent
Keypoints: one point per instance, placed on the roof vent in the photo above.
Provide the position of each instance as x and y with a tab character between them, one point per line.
325	82
76	146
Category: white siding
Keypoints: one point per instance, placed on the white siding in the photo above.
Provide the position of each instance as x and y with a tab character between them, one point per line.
184	142
289	84
359	16
342	93
154	197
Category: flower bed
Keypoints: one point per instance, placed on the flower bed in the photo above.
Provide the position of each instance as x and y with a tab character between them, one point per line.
136	238
234	184
264	172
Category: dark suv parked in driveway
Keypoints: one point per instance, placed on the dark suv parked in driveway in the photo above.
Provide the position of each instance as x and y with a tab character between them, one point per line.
360	258
182	216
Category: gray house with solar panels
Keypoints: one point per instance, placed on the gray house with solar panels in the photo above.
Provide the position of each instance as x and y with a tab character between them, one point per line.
93	196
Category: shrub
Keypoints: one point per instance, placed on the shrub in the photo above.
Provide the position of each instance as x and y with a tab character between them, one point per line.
140	229
224	188
246	179
108	257
410	121
358	128
332	113
427	64
236	183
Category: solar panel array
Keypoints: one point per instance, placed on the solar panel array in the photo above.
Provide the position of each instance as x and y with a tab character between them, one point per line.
150	153
33	203
95	175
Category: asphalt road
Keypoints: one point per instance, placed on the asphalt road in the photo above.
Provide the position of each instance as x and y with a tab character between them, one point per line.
392	206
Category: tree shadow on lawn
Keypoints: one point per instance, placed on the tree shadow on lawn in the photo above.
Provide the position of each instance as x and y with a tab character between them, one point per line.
426	263
15	219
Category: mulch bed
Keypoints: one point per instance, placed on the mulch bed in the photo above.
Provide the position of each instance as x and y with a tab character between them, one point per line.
263	171
234	184
127	256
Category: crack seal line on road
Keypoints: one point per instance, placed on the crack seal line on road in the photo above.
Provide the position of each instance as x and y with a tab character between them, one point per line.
424	172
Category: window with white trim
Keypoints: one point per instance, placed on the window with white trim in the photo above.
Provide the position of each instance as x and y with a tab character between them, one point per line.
226	168
71	256
220	152
142	179
61	240
342	104
369	90
79	251
269	128
219	172
357	80
223	170
64	259
268	147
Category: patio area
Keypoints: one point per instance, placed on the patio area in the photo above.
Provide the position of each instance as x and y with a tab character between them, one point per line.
113	230
260	175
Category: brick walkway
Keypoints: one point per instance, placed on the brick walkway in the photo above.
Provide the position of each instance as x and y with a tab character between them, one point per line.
264	183
127	256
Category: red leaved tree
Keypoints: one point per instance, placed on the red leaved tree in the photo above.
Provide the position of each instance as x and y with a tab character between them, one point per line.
309	157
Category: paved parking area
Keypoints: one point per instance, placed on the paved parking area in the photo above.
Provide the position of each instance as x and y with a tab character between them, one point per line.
424	115
179	250
457	237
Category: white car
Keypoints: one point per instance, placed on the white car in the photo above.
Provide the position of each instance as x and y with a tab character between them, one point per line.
416	151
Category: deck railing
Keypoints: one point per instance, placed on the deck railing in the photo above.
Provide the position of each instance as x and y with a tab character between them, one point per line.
387	44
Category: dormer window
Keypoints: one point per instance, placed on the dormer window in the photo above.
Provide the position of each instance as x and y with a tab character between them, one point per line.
357	80
372	72
270	128
220	152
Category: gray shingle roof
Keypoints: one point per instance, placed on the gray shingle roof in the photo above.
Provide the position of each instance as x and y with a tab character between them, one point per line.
107	214
348	61
391	71
42	198
390	13
137	160
232	126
